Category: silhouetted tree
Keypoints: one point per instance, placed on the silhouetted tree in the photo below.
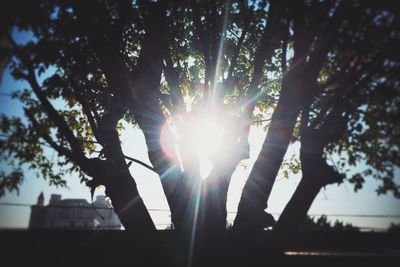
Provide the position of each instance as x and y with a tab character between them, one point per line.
322	224
323	73
394	228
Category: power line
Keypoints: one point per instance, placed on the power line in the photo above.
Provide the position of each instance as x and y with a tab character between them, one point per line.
358	215
231	212
87	206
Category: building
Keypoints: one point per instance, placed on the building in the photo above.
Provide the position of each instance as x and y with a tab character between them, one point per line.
73	214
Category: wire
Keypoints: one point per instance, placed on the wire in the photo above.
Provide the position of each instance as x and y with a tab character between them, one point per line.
166	210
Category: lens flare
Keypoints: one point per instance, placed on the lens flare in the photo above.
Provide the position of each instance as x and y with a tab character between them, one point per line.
194	136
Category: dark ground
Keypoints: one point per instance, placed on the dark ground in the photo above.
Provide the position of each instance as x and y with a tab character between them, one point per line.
113	248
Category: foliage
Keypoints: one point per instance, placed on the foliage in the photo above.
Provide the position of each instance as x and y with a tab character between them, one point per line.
322	224
321	73
63	46
394	228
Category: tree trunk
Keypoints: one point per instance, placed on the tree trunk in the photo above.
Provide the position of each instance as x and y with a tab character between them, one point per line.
258	186
129	205
135	218
316	174
293	215
211	221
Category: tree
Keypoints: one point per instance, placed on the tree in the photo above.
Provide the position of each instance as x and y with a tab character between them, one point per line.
322	224
322	73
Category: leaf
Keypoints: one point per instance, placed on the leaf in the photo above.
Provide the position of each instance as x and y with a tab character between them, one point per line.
286	174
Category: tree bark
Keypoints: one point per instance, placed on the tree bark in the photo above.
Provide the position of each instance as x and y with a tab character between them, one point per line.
136	219
293	215
258	186
298	85
316	174
129	205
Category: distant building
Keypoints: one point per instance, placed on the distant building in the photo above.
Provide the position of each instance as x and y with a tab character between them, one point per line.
73	214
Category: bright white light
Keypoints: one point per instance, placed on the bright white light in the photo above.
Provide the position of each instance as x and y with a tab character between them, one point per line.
206	137
195	138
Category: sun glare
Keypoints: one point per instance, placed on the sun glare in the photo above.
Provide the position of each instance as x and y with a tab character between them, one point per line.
198	136
206	136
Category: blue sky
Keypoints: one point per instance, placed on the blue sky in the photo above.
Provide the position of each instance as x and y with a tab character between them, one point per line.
333	199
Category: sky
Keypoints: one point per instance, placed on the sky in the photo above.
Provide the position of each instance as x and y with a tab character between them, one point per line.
331	200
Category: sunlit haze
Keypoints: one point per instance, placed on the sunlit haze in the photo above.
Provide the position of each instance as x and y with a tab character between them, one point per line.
199	136
204	135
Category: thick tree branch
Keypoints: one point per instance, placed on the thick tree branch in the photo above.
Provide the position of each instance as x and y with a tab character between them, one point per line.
259	184
51	111
39	129
172	77
201	33
145	81
263	53
75	144
324	43
236	52
316	174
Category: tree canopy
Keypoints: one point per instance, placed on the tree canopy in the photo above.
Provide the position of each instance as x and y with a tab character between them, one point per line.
322	73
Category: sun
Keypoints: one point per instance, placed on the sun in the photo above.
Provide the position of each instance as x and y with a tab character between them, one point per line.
206	141
197	136
206	136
